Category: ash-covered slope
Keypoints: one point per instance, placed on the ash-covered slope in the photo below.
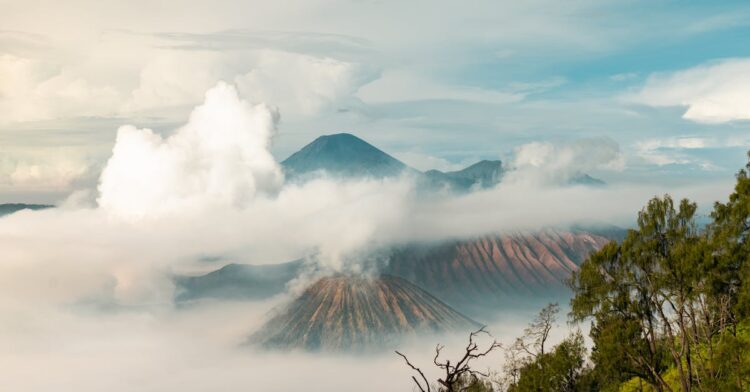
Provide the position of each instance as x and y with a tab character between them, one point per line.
494	269
345	312
474	275
238	281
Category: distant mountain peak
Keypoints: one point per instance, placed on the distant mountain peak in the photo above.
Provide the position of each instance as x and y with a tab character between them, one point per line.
585	179
483	174
342	155
9	208
345	155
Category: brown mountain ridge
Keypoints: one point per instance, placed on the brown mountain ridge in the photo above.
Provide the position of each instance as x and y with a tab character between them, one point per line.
474	275
496	268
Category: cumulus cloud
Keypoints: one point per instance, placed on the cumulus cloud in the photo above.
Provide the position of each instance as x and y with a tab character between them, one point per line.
712	93
558	163
220	156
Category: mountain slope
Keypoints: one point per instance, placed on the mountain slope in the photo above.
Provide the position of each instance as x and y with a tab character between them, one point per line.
493	269
483	174
238	281
346	312
585	179
473	275
342	155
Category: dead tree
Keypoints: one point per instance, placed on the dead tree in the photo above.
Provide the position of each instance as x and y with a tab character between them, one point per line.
531	345
455	373
538	331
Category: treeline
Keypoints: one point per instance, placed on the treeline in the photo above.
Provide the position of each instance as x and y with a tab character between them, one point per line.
670	305
669	309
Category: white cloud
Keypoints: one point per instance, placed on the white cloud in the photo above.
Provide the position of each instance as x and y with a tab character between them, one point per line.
220	156
298	83
678	150
36	90
712	93
557	163
685	142
31	90
41	169
405	85
426	162
175	78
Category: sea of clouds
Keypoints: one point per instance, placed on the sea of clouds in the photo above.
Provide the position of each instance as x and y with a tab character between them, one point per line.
86	289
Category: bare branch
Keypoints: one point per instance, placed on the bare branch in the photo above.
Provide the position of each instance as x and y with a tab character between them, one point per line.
418	370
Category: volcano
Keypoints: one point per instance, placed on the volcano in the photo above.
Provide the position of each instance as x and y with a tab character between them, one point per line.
346	312
342	155
491	270
475	275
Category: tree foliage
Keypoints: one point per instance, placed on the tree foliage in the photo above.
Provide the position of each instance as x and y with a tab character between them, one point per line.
669	308
559	370
669	300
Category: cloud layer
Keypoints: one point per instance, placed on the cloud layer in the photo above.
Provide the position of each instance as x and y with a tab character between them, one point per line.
712	93
546	163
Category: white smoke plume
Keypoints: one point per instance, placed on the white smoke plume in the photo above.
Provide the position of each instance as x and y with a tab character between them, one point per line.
219	157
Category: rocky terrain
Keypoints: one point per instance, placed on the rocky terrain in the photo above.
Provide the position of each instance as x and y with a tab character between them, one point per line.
496	268
347	312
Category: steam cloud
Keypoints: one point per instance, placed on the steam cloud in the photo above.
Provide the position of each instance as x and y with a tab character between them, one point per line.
219	157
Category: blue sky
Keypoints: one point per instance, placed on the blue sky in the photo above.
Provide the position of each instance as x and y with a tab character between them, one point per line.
438	84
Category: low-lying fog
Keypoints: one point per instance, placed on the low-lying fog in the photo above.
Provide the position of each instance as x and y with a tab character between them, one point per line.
86	289
159	348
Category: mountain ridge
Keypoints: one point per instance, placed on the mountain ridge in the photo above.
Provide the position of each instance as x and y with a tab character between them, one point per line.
345	155
480	272
10	208
491	270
